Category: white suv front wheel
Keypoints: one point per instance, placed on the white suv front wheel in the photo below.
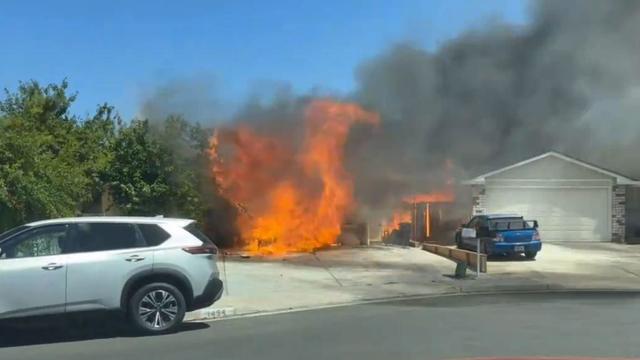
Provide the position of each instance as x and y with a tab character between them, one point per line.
157	308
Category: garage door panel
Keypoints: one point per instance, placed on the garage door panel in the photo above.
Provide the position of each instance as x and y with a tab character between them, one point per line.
569	235
566	214
565	222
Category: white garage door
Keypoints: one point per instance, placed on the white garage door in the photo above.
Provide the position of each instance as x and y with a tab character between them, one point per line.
565	214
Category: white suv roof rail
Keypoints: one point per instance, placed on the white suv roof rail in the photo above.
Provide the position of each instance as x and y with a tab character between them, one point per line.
117	219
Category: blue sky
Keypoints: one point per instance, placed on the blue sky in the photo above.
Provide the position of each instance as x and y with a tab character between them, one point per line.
118	51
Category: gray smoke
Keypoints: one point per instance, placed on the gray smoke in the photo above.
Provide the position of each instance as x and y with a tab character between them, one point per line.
568	81
193	98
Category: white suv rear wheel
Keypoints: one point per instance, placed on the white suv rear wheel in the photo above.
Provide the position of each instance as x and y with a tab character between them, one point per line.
157	308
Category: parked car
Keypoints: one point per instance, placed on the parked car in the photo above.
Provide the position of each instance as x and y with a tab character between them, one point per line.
500	234
153	269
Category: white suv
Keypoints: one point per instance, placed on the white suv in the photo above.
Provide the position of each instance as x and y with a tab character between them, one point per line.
152	268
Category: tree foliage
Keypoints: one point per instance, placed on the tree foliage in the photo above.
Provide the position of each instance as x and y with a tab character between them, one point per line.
152	170
54	164
43	167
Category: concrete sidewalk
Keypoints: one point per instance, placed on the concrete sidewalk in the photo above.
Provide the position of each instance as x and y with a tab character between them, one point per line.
347	275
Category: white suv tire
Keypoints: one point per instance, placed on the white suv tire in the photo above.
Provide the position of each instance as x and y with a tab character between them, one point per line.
157	308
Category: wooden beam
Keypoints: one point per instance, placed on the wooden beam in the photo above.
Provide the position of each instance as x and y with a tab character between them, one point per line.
458	256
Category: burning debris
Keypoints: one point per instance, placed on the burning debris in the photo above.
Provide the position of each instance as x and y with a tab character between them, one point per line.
414	220
295	193
399	217
422	217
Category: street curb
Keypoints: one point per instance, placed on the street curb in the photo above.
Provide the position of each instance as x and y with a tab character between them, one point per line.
230	313
196	318
555	290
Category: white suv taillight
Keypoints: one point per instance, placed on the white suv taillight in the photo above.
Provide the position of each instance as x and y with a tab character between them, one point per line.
204	249
536	236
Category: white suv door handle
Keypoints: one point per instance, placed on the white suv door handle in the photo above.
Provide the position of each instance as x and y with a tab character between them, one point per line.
52	266
134	258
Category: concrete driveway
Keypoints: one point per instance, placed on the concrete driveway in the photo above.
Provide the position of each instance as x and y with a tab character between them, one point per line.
574	266
349	275
328	277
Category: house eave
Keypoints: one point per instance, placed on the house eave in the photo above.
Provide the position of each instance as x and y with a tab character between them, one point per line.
473	182
629	182
619	179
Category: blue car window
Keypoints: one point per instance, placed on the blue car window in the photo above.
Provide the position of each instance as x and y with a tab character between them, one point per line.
509	224
472	222
500	225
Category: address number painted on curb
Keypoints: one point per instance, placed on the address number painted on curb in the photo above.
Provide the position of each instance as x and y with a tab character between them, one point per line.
218	313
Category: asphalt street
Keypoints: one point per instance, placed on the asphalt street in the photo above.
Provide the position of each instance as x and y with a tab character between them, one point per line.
578	324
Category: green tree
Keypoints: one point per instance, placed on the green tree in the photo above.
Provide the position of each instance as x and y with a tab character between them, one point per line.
138	174
51	164
148	175
95	139
39	174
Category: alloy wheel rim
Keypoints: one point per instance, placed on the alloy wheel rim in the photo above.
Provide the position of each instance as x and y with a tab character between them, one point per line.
158	309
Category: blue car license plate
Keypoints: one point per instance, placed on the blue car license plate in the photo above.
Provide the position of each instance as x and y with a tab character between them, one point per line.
518	248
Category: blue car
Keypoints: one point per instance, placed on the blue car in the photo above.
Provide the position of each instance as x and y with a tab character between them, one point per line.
500	234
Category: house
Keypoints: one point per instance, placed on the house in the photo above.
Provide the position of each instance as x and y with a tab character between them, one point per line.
571	199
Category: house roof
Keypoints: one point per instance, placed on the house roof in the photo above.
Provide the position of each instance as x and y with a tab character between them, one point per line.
620	179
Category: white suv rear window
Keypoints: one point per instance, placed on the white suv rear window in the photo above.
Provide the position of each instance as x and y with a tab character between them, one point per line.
153	234
193	229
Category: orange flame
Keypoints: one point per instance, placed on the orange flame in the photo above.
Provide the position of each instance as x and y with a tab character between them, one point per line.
404	214
398	217
295	197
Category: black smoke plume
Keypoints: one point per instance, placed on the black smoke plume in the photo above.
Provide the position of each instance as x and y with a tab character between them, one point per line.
568	81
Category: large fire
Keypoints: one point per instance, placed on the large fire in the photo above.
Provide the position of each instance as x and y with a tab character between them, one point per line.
294	193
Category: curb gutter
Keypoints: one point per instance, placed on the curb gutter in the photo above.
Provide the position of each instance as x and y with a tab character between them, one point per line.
228	313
